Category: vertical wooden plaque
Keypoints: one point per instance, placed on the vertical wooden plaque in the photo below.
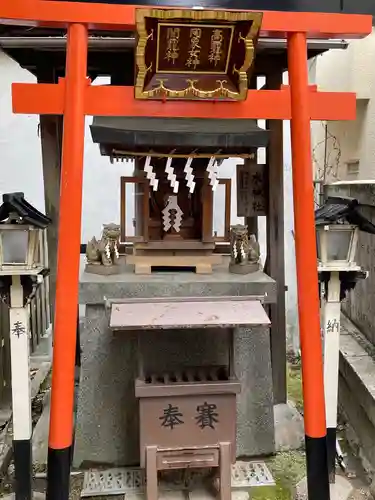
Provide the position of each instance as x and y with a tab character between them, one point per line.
251	189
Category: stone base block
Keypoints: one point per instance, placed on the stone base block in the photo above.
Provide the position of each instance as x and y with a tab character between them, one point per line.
289	428
243	268
108	413
102	270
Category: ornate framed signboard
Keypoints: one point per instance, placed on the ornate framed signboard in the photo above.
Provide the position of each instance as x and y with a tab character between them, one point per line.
194	54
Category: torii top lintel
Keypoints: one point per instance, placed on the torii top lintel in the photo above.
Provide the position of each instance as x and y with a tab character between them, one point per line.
119	101
54	13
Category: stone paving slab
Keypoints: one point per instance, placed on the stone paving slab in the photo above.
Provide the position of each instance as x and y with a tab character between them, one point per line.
116	481
289	427
341	490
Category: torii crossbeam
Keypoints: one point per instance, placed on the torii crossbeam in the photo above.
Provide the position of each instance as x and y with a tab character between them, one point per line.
49	99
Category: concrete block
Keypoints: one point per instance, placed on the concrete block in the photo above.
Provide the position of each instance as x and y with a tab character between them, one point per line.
289	427
360	432
341	490
94	289
357	392
107	415
255	419
359	373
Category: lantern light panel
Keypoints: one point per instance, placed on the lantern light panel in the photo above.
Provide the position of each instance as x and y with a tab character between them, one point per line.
19	248
337	245
21	236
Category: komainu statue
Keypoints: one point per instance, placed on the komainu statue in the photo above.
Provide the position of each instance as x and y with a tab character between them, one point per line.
104	252
244	251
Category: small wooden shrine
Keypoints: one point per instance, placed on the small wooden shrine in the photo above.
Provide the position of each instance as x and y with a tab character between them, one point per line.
177	168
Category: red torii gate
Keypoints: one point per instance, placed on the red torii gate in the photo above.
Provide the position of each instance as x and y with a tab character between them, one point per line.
74	97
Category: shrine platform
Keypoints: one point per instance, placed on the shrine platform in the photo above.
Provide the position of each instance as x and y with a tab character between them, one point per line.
94	288
107	419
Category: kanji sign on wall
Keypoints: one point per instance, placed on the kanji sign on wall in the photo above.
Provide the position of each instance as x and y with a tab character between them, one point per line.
251	190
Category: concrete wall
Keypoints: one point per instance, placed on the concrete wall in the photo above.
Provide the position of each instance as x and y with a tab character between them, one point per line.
360	306
350	145
357	339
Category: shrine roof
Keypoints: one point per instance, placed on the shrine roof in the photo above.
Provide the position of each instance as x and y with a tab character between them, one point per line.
138	133
339	209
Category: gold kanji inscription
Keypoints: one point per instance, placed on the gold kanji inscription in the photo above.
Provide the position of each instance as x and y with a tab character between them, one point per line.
195	48
216	51
173	38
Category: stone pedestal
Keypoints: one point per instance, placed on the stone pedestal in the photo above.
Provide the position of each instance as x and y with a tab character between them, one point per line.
108	414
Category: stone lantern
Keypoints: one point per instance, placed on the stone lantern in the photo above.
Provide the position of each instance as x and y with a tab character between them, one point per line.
337	245
21	226
22	268
338	223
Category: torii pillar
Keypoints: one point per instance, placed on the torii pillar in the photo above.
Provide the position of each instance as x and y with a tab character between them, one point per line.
75	98
307	276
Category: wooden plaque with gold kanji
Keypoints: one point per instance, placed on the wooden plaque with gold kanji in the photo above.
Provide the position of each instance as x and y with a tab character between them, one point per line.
194	54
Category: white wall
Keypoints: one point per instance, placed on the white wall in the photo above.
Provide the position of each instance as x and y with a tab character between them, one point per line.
21	164
350	70
20	152
290	257
21	170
